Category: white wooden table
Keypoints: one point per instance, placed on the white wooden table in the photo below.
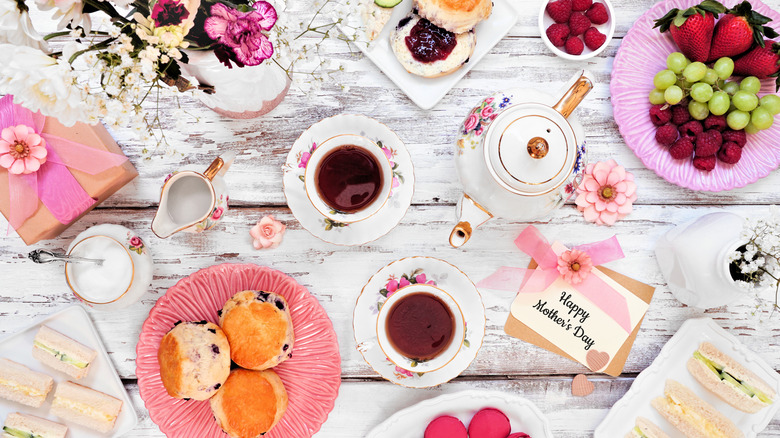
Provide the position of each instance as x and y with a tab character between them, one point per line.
335	274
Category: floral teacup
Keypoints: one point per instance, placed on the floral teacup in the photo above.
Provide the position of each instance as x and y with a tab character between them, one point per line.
415	364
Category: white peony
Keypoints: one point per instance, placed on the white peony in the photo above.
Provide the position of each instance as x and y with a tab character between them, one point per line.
16	27
68	11
41	83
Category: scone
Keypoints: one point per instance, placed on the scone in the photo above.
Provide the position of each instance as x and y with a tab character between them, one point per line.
456	16
194	360
374	18
422	48
250	403
259	328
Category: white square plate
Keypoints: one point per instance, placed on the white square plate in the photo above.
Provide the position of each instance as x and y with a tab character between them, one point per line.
73	322
426	92
671	364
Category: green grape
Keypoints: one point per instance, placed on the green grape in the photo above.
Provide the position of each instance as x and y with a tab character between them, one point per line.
719	103
686	84
730	87
751	84
724	67
710	77
673	95
772	103
664	79
657	97
745	101
698	110
701	92
761	118
695	71
738	119
676	62
750	128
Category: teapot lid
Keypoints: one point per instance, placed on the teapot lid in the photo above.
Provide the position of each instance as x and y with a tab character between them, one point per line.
530	149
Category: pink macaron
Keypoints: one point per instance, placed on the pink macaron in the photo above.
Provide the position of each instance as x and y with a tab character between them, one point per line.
446	426
519	435
489	423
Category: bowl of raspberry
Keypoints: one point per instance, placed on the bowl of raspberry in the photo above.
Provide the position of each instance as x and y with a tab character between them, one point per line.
577	29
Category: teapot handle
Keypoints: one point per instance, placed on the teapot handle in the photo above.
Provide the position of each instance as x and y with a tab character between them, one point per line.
574	95
219	166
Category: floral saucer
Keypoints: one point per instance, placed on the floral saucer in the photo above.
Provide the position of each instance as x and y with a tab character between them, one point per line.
399	274
367	230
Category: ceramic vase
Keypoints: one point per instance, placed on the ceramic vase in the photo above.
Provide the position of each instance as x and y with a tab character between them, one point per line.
694	260
239	93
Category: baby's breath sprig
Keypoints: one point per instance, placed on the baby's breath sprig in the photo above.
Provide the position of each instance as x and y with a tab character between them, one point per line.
756	264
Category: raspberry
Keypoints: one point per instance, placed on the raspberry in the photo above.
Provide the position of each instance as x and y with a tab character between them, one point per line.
559	10
581	5
666	135
557	34
737	137
704	163
708	143
682	148
574	46
660	114
730	153
578	23
715	122
594	39
597	13
691	129
680	115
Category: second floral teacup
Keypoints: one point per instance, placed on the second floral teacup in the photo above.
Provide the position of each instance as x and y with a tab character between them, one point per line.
420	328
348	178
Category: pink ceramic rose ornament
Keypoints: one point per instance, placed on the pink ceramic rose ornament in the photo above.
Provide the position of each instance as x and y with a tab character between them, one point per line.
606	193
22	151
267	233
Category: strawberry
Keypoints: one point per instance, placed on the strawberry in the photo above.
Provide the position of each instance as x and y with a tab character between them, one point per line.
736	32
692	28
761	62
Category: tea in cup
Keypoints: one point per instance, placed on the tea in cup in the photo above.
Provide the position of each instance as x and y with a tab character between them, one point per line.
420	328
348	178
105	283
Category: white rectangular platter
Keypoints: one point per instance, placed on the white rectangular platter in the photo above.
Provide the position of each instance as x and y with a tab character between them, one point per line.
427	92
75	323
671	364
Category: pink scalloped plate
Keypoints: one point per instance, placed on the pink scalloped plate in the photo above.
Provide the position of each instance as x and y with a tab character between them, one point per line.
642	54
312	376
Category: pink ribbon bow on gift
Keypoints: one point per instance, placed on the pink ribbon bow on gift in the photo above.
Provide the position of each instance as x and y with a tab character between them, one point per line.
52	183
533	243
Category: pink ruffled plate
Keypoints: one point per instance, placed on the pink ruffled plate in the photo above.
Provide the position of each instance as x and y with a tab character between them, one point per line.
312	376
643	54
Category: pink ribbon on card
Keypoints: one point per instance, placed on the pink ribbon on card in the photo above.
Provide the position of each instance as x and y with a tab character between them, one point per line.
52	184
596	290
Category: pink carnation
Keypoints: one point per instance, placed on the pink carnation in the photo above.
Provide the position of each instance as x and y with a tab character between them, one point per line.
574	266
267	233
22	151
242	32
606	193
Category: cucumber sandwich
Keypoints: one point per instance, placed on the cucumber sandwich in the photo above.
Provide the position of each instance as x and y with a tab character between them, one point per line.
645	428
28	426
62	353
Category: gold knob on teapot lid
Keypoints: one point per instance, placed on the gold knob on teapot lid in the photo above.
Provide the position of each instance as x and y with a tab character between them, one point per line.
538	147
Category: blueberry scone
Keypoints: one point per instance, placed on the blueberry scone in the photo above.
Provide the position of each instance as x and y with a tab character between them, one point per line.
250	404
430	51
456	16
259	328
194	360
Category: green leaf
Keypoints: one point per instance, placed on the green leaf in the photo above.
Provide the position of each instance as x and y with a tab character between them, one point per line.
383	292
466	343
414	363
300	177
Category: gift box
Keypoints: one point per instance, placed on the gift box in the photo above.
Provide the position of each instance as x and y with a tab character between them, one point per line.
79	157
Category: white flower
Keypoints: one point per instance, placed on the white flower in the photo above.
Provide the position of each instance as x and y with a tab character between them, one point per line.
16	27
68	11
41	83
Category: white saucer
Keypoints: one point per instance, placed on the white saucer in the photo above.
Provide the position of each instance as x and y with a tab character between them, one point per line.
139	253
446	277
367	230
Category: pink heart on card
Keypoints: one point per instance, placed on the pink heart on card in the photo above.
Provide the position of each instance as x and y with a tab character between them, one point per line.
581	386
597	359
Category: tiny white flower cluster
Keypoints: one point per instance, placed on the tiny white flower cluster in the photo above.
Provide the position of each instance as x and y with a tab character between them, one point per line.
758	261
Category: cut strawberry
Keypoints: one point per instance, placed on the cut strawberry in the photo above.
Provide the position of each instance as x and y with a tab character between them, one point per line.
692	28
736	32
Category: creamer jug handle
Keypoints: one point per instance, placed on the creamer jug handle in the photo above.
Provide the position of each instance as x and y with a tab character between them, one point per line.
220	166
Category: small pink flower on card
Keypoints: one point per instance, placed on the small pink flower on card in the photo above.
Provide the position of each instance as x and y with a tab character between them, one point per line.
574	266
267	233
22	151
607	193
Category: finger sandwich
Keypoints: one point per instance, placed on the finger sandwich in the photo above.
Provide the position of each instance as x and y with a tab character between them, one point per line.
645	428
85	406
23	385
29	426
62	353
691	415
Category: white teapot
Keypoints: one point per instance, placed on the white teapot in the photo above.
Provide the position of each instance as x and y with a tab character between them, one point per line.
520	155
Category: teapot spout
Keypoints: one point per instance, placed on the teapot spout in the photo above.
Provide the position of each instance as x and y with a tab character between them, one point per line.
470	216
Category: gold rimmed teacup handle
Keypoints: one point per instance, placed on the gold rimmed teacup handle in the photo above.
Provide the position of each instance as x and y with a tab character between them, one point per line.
460	234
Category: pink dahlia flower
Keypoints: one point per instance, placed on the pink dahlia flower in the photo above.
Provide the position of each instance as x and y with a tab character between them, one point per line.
22	150
574	266
607	193
242	32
